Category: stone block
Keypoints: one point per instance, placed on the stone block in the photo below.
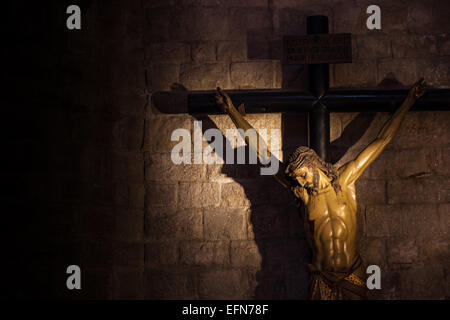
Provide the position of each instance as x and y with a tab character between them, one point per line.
443	42
268	221
405	163
203	51
159	254
254	74
161	194
427	17
434	250
414	46
159	131
240	20
234	195
200	253
263	44
176	52
291	21
372	46
335	126
225	224
421	220
164	223
435	71
231	51
262	190
205	76
422	129
394	17
371	191
418	190
308	7
441	167
402	70
390	285
349	17
223	284
423	282
169	284
160	167
149	4
444	215
161	76
245	254
402	251
224	173
197	23
373	251
227	3
384	221
361	73
264	124
403	220
198	195
361	223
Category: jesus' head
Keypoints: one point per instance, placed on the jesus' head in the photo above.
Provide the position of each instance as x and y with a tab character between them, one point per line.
307	170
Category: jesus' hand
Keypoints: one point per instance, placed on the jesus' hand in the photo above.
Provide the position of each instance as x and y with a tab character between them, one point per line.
418	89
223	101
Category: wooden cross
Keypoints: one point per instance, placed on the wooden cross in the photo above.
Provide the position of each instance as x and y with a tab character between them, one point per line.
318	102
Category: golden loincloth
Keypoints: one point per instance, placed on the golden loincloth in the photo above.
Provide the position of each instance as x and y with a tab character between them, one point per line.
326	285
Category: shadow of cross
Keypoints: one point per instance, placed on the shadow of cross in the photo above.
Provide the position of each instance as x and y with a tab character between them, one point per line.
280	274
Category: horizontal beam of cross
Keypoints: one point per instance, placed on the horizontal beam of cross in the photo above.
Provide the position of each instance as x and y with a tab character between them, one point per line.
281	101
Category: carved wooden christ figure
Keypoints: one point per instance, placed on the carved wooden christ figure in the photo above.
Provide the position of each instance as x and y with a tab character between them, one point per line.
329	196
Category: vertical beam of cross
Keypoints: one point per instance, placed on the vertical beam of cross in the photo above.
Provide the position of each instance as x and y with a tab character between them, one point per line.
319	117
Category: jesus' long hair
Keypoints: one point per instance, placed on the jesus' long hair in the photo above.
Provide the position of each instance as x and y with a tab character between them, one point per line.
306	157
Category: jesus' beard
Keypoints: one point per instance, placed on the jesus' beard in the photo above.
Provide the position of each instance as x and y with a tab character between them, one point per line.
298	190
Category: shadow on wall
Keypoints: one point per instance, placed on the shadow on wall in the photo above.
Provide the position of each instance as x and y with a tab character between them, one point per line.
276	221
350	135
276	230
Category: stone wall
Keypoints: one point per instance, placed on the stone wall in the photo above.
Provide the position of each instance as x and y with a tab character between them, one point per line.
242	237
106	196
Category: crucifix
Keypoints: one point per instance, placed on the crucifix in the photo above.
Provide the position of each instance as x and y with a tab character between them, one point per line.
328	193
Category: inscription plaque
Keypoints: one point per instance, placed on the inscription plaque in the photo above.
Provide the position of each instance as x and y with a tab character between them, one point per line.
317	48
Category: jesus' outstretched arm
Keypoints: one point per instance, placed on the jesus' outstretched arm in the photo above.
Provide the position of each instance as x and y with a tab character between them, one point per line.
258	145
350	172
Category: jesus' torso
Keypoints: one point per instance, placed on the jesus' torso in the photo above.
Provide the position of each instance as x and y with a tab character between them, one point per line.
331	225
